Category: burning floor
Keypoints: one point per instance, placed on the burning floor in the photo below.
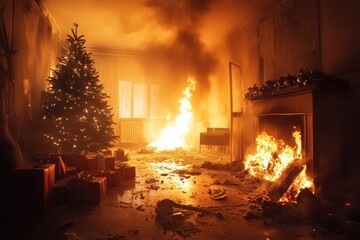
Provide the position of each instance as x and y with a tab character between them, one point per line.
187	194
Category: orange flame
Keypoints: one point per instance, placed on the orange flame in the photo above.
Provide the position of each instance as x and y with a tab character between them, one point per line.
271	159
173	136
300	182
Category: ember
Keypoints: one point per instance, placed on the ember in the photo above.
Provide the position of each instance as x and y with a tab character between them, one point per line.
301	182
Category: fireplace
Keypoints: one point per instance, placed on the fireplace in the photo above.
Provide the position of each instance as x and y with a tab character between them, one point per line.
317	112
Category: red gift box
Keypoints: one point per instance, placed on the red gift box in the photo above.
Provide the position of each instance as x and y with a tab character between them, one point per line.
88	162
112	177
87	191
126	172
106	163
33	190
92	162
119	154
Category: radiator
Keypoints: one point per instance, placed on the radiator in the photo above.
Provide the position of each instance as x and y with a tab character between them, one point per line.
130	131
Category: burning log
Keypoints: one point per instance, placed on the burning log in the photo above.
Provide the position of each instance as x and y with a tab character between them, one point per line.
285	181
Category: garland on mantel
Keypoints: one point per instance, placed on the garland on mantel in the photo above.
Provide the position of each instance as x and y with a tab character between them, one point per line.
271	87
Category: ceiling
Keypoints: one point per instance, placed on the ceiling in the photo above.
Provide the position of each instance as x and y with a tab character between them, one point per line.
137	24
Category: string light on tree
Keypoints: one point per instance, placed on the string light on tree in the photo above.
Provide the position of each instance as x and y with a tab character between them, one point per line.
75	108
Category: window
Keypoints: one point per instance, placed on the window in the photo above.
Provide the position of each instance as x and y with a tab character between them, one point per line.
138	100
125	99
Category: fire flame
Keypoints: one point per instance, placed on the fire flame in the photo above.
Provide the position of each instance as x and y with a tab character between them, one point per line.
173	136
272	158
300	182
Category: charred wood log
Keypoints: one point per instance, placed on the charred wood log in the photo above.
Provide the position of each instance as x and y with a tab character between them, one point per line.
306	197
285	181
312	208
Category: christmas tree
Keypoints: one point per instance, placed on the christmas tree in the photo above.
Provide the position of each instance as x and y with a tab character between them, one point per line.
75	108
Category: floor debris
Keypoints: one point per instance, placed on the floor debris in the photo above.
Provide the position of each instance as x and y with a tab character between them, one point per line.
220	196
173	198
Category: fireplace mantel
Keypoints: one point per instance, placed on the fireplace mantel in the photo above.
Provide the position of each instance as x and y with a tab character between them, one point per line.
284	91
286	84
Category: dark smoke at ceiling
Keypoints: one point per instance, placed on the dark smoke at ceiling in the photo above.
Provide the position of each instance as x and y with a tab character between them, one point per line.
187	55
183	37
179	13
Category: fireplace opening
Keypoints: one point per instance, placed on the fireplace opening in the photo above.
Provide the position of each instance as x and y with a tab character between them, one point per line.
280	155
282	126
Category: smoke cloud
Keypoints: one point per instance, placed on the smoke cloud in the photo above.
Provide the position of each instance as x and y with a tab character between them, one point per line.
181	38
185	54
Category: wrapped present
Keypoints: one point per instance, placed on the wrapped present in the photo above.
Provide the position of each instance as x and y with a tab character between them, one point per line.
106	162
88	162
109	162
119	154
129	172
33	189
87	191
126	171
92	162
112	176
52	158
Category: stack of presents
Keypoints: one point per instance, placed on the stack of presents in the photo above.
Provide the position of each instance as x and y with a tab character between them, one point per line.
69	179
